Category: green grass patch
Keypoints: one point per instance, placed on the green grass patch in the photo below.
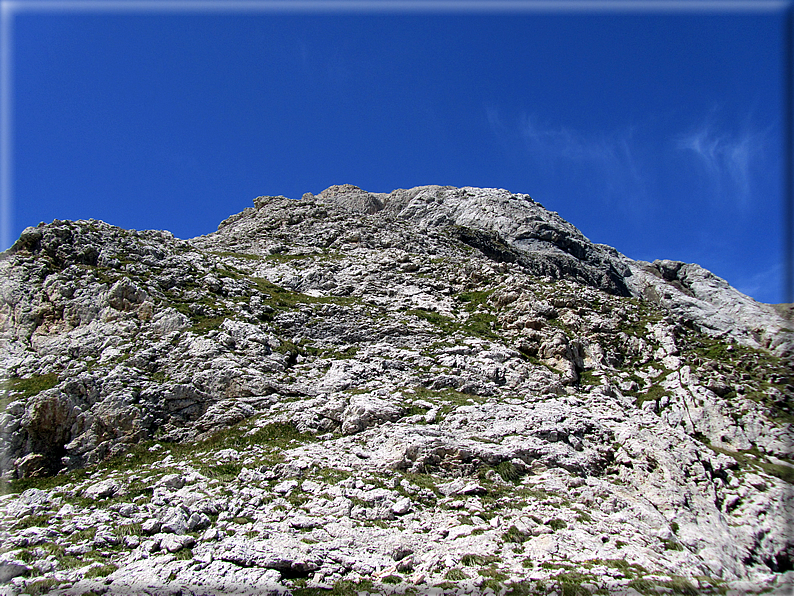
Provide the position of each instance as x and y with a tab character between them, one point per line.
474	560
426	481
282	258
446	323
446	399
340	588
500	495
680	585
82	535
482	325
183	554
496	578
478	323
205	324
32	521
283	299
753	460
274	434
557	524
636	323
628	569
332	475
509	472
525	588
587	377
671	545
42	586
17	388
224	472
765	371
26	556
101	571
475	299
133	529
70	562
677	585
515	535
655	393
570	583
555	565
210	316
456	575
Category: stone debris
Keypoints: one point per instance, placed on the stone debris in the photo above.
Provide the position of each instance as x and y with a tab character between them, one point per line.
432	391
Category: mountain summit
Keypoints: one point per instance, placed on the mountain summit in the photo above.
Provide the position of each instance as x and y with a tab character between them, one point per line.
446	390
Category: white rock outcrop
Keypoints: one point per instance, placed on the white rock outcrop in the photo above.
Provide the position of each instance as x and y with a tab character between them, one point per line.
435	390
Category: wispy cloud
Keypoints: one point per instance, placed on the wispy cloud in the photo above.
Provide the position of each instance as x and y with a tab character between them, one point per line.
730	163
569	144
729	160
607	162
764	285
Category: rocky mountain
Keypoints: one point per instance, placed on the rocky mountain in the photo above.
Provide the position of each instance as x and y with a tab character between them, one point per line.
432	391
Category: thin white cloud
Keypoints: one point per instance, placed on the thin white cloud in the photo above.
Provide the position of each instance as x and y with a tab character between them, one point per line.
728	160
608	159
567	143
624	164
764	285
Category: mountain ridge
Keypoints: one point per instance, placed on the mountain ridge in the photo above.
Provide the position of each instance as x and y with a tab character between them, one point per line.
544	231
457	372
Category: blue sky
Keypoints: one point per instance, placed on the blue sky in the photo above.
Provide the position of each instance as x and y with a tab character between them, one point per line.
658	133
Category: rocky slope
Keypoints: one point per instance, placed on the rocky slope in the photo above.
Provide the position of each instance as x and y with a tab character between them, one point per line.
435	390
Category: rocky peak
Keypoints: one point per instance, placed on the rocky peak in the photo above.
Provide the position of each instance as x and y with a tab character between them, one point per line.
436	389
512	228
351	198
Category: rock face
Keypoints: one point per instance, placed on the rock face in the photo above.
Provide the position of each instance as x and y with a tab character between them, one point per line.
439	389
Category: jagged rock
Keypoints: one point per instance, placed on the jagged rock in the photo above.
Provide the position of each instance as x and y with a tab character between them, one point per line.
402	506
365	411
432	383
150	526
461	487
101	490
172	481
173	543
12	569
174	521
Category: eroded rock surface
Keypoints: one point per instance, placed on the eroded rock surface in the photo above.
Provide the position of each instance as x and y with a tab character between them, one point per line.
434	389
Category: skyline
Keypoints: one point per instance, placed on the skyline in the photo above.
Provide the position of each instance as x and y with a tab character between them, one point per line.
635	124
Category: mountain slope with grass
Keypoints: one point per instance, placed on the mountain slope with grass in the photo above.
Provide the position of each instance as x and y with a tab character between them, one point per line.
435	389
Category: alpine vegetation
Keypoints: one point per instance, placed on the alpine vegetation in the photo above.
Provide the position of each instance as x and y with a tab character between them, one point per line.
431	391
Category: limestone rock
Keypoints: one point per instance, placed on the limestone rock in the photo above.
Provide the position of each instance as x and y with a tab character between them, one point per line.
449	388
101	490
365	411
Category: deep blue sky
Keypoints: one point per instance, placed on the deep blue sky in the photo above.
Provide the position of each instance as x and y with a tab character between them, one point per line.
657	134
